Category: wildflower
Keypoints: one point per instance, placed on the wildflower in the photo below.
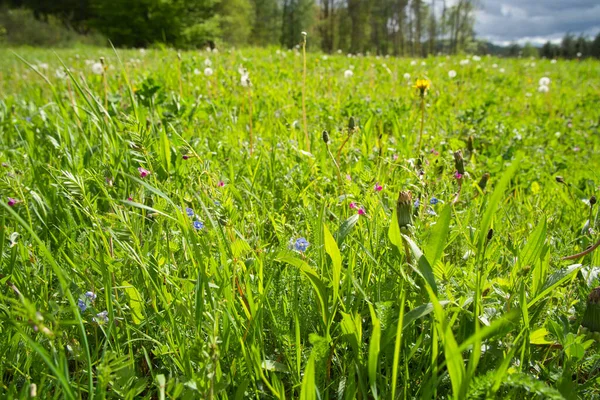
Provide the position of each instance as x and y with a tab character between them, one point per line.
221	183
352	205
245	77
407	76
348	74
82	305
90	295
11	201
431	211
413	63
501	70
207	63
458	175
198	225
543	89
476	58
544	81
553	61
348	177
101	318
434	201
378	187
404	209
452	73
61	73
459	162
361	211
435	152
483	181
417	203
208	71
196	71
143	172
97	68
189	212
464	62
422	85
325	136
185	157
130	199
579	54
301	245
494	66
43	66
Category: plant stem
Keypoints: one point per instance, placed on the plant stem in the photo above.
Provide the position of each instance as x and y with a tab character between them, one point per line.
306	138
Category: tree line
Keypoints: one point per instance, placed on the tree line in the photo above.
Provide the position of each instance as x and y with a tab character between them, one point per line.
395	27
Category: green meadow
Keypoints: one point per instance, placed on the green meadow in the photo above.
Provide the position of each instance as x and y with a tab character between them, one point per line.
264	224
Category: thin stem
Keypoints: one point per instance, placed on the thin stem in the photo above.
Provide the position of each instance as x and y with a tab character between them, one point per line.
339	173
583	253
422	123
250	118
306	138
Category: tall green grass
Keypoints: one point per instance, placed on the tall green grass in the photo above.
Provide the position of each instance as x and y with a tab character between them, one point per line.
471	301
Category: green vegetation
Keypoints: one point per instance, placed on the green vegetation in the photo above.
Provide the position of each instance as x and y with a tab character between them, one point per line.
345	264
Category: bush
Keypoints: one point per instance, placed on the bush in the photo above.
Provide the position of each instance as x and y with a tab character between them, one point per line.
18	27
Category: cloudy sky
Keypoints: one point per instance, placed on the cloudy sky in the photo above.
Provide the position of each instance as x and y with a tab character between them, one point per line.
505	21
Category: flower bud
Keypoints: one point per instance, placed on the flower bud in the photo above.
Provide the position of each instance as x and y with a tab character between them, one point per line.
404	209
470	144
490	234
351	124
483	181
459	163
592	200
560	179
326	137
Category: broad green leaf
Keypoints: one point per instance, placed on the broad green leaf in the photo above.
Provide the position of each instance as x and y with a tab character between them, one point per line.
374	347
539	336
345	228
495	200
437	240
532	249
165	150
423	268
135	302
394	232
332	249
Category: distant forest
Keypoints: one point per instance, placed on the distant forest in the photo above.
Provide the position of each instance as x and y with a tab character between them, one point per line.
396	27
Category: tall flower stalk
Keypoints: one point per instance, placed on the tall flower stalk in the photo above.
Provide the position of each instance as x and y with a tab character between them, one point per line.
422	85
304	122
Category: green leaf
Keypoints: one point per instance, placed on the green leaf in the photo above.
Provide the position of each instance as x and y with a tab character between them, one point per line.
308	387
336	260
165	150
345	229
135	302
539	336
394	232
374	347
423	267
532	249
437	240
555	280
494	200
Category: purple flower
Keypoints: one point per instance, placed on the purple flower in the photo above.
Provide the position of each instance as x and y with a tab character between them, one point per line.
221	183
189	212
301	245
185	157
11	201
101	317
130	199
417	203
361	211
434	201
82	305
90	295
378	187
458	175
143	172
352	206
198	225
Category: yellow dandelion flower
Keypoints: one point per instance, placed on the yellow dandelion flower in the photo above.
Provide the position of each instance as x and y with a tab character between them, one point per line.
423	85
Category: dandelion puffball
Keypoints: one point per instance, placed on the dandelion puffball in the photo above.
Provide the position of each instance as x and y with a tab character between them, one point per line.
208	71
97	68
543	89
452	73
207	63
544	81
348	73
407	76
196	71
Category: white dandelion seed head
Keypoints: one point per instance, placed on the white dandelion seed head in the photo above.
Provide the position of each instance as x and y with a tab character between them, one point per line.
413	63
464	62
494	65
43	66
476	58
501	70
406	76
452	73
553	61
196	71
579	54
208	71
348	73
543	89
207	63
97	68
544	81
61	73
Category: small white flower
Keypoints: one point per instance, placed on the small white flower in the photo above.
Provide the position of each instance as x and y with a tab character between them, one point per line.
423	63
348	73
245	77
196	71
97	68
207	63
494	65
476	58
527	94
452	73
208	49
43	66
553	61
339	51
325	57
61	73
532	64
407	76
501	70
544	81
579	54
543	89
142	51
464	62
208	71
413	63
557	134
